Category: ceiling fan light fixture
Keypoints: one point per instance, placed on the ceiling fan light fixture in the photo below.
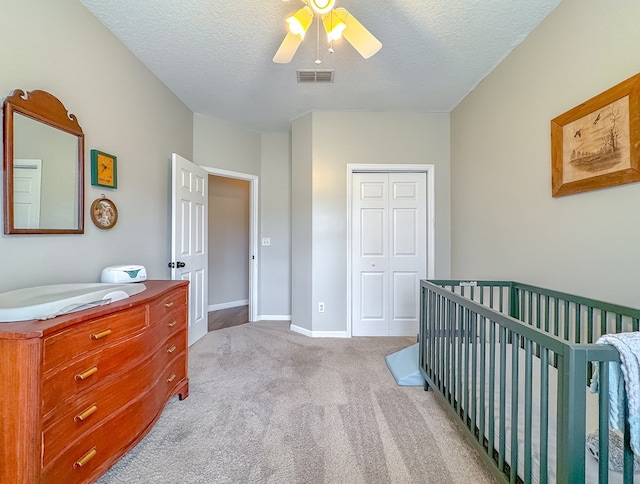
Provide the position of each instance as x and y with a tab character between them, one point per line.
322	6
333	26
300	21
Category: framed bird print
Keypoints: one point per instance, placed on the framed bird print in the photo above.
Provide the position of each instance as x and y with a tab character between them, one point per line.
597	144
104	169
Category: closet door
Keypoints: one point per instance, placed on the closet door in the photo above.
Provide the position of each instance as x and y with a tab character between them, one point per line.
388	252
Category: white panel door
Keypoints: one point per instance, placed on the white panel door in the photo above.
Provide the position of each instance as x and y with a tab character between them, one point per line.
389	253
189	238
27	179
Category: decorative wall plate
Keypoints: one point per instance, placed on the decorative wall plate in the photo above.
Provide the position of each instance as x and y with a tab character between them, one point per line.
104	213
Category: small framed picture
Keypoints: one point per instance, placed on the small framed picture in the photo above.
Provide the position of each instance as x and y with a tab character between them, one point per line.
104	169
104	213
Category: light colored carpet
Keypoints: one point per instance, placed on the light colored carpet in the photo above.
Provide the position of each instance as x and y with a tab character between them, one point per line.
268	405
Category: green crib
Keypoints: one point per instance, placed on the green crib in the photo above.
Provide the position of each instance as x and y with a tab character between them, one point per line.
512	363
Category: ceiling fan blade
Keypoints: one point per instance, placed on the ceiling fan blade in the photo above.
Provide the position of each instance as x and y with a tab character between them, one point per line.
287	49
357	35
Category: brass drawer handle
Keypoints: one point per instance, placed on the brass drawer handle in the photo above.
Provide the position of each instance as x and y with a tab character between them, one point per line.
101	334
86	414
168	305
172	324
171	378
82	461
172	349
86	373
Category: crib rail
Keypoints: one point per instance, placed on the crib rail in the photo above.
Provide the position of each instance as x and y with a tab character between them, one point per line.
573	318
484	343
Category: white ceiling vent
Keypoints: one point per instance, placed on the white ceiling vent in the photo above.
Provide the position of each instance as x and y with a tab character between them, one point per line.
315	76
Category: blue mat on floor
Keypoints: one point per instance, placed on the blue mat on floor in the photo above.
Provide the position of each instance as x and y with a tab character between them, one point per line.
403	365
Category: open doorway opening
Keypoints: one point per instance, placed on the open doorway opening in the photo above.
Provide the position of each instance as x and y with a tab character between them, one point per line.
232	248
228	247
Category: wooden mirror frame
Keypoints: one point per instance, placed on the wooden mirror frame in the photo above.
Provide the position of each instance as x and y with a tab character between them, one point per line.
47	109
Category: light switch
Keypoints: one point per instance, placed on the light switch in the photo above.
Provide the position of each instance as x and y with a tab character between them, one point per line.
266	241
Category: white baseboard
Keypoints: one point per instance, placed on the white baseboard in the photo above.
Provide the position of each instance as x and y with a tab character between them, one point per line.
274	317
318	334
227	305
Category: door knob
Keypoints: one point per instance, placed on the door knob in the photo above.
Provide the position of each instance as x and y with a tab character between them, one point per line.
179	264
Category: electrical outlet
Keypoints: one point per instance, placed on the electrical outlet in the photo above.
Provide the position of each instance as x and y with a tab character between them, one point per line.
321	307
266	241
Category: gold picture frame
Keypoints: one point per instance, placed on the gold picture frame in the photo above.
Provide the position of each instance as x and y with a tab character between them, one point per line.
104	213
595	145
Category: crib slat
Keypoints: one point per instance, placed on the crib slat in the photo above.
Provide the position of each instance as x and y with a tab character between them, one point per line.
466	366
546	313
438	339
515	345
432	334
627	476
460	328
577	323
538	321
448	341
483	355
502	408
544	415
473	321
492	387
603	423
528	402
618	323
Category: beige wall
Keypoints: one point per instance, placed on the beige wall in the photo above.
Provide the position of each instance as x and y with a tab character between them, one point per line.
275	223
124	110
505	224
225	146
222	145
301	221
337	139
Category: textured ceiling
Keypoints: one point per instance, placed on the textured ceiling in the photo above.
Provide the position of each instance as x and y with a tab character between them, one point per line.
216	55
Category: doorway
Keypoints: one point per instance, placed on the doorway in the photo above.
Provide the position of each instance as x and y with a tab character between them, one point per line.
391	246
236	194
228	248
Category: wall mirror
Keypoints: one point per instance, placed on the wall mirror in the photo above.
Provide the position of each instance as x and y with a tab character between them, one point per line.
43	166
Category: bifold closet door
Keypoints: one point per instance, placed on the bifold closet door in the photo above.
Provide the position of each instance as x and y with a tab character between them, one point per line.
388	252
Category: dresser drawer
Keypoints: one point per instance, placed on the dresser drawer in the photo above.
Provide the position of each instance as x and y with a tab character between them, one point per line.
173	322
92	454
173	346
91	370
172	375
176	301
95	407
62	347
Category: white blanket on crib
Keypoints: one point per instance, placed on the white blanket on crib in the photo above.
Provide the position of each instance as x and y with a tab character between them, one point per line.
621	376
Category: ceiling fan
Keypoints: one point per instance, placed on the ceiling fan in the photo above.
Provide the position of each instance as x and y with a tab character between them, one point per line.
337	23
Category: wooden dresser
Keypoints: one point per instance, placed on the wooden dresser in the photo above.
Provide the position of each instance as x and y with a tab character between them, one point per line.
79	391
